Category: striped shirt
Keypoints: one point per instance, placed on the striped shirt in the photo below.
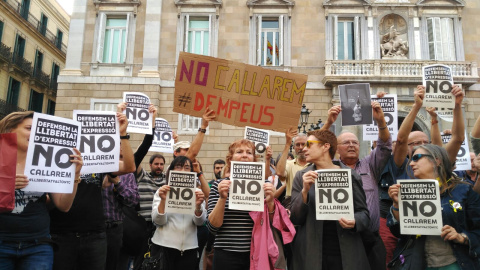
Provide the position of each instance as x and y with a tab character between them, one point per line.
235	234
147	186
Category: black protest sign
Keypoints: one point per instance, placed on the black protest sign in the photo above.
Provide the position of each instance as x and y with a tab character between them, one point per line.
99	142
333	195
181	197
438	82
246	191
162	137
48	165
419	205
139	118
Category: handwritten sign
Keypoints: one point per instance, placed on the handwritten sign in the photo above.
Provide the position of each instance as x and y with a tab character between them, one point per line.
139	118
389	108
240	94
420	209
181	197
261	138
99	141
246	191
333	195
48	165
162	137
438	82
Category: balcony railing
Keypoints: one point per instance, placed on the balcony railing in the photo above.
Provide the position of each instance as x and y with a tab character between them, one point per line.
340	71
54	87
7	108
41	76
5	52
22	63
36	24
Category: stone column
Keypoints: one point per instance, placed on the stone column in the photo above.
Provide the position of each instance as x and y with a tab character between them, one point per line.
75	39
151	44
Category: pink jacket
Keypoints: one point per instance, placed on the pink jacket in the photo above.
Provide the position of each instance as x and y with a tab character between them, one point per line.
263	249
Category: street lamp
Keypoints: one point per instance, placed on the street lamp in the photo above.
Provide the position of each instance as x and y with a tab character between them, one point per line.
304	113
316	126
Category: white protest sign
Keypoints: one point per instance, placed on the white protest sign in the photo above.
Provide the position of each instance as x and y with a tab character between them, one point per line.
162	137
246	190
48	165
389	107
181	197
333	195
261	138
420	211
139	118
99	141
438	82
463	162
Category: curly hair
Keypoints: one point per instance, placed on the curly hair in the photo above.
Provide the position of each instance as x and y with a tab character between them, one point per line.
326	136
231	150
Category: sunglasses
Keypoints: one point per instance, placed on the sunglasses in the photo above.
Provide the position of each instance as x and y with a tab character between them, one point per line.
310	143
416	157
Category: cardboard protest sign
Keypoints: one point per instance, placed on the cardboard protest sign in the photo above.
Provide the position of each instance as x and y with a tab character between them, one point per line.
48	165
162	137
463	162
333	195
261	138
356	104
419	205
240	94
181	197
389	107
99	141
246	191
438	82
139	118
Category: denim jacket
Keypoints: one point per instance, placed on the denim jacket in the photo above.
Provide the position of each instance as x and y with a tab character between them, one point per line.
465	219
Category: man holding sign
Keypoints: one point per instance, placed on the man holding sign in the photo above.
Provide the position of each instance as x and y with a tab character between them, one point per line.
457	245
337	244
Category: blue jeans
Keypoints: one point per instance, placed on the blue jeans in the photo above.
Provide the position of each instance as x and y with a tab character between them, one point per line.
80	251
29	255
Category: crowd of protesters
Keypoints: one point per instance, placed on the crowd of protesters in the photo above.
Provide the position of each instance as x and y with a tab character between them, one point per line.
91	228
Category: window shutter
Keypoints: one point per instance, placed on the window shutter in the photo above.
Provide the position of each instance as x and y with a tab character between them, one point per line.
187	24
101	37
259	39
210	27
356	33
335	30
280	41
126	39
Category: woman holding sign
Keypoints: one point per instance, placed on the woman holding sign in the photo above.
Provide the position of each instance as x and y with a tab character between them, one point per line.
25	232
176	234
326	244
233	228
458	246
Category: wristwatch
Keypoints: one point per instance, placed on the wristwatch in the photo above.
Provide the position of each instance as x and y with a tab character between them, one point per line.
126	137
203	130
465	238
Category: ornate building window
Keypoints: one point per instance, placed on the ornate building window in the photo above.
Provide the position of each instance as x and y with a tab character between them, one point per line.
112	38
441	39
344	36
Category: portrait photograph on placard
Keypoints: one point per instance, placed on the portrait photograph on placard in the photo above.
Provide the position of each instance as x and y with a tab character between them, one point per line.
356	104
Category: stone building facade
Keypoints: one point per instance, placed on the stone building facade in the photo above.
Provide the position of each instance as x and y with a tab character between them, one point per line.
33	35
133	45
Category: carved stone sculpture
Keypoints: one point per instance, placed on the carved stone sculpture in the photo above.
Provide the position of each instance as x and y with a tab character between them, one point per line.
392	46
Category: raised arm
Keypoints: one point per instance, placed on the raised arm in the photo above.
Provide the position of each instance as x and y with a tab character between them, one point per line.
332	117
289	135
458	126
127	165
401	148
208	115
435	136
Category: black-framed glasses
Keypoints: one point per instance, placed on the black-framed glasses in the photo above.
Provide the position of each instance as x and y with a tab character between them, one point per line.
416	157
310	143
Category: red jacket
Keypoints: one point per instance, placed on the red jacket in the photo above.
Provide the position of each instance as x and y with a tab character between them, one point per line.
263	249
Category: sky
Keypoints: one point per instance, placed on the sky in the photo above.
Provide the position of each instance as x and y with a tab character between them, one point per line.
67	5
